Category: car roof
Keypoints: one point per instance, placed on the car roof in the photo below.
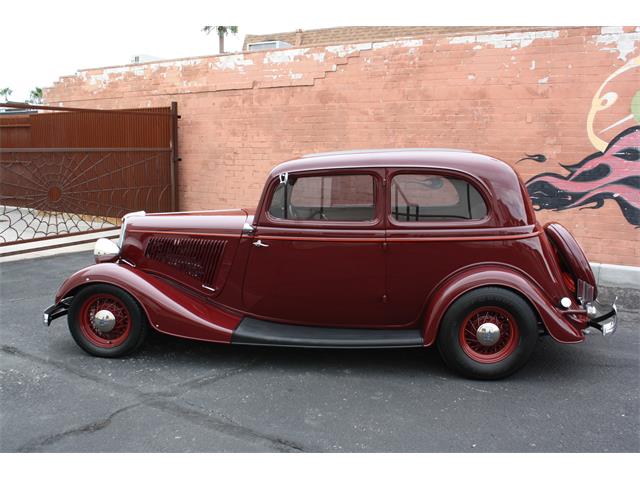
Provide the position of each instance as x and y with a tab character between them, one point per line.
446	158
382	150
501	181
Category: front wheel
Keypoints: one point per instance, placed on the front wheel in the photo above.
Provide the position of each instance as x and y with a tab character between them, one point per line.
488	333
106	321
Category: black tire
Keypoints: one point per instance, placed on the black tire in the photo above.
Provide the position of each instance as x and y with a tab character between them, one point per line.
128	342
450	341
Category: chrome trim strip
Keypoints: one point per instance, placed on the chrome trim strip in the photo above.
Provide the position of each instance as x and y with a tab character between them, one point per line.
123	227
131	264
489	238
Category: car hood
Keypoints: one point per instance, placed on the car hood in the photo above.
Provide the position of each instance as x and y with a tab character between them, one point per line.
209	222
194	249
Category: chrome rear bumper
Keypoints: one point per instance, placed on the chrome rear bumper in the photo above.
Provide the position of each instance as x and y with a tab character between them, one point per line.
603	317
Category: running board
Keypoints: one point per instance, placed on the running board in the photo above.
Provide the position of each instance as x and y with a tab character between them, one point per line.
252	331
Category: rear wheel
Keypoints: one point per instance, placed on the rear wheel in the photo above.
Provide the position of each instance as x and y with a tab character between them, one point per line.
488	333
106	321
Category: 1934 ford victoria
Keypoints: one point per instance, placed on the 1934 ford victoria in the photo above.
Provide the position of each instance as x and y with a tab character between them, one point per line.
361	249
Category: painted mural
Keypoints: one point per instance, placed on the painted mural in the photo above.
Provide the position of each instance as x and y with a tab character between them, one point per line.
612	172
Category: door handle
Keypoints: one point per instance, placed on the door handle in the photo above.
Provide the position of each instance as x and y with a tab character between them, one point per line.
260	244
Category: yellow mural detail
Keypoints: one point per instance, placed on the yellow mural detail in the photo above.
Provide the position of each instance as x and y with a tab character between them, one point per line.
603	101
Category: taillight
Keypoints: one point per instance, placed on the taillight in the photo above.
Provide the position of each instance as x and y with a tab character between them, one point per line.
569	281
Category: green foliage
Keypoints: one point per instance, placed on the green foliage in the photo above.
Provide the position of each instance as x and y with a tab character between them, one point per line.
6	93
222	32
35	96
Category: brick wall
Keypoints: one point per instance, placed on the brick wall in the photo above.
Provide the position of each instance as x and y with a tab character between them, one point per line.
342	35
537	99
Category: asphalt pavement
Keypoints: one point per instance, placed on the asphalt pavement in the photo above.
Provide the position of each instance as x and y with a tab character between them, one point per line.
184	396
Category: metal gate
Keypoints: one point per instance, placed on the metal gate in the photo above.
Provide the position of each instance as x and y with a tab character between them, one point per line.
80	170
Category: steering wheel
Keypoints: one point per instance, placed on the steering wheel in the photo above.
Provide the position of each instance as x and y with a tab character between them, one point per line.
291	213
320	214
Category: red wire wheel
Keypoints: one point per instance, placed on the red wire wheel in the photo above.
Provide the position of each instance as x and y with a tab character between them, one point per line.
121	329
506	342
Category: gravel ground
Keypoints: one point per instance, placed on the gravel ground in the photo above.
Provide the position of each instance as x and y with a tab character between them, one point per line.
183	396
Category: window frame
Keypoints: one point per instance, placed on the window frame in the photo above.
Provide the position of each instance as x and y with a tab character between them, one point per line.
480	187
266	219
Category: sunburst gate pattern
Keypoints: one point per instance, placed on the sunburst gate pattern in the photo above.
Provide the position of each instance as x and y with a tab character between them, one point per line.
53	193
612	174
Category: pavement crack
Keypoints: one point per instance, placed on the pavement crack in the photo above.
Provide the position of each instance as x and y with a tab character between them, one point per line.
162	401
89	428
61	365
205	380
202	419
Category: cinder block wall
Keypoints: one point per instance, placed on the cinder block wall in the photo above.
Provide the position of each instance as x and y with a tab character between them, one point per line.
540	99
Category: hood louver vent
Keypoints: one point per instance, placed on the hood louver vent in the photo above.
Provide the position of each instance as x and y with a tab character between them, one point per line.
196	257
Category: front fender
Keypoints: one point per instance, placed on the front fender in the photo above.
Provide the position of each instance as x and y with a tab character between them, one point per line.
558	326
169	309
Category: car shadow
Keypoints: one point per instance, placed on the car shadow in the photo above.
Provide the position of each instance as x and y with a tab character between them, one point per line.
548	359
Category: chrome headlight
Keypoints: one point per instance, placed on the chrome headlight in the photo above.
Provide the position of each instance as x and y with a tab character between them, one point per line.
105	250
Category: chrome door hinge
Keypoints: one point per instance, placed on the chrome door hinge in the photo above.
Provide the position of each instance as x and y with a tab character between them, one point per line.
248	229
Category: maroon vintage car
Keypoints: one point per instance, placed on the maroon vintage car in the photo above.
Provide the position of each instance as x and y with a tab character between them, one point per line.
361	249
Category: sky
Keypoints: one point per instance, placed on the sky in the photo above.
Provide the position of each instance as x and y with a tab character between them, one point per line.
43	40
59	42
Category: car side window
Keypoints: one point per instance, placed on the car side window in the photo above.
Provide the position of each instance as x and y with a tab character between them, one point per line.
331	198
434	198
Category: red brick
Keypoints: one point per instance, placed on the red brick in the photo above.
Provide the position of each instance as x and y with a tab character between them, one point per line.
242	115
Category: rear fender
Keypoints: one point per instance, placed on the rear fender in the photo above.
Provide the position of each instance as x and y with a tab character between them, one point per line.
573	256
169	308
558	326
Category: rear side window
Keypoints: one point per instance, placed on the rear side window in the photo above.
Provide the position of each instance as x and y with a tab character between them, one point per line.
434	198
332	198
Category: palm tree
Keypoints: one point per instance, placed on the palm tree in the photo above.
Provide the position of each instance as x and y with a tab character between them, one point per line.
6	93
222	32
35	96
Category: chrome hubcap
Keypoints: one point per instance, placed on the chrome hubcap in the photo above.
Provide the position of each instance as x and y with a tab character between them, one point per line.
488	334
104	321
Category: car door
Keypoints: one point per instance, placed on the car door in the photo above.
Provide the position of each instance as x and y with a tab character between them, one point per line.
317	253
432	217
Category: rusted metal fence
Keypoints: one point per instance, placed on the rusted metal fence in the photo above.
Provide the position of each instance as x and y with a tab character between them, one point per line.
80	170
